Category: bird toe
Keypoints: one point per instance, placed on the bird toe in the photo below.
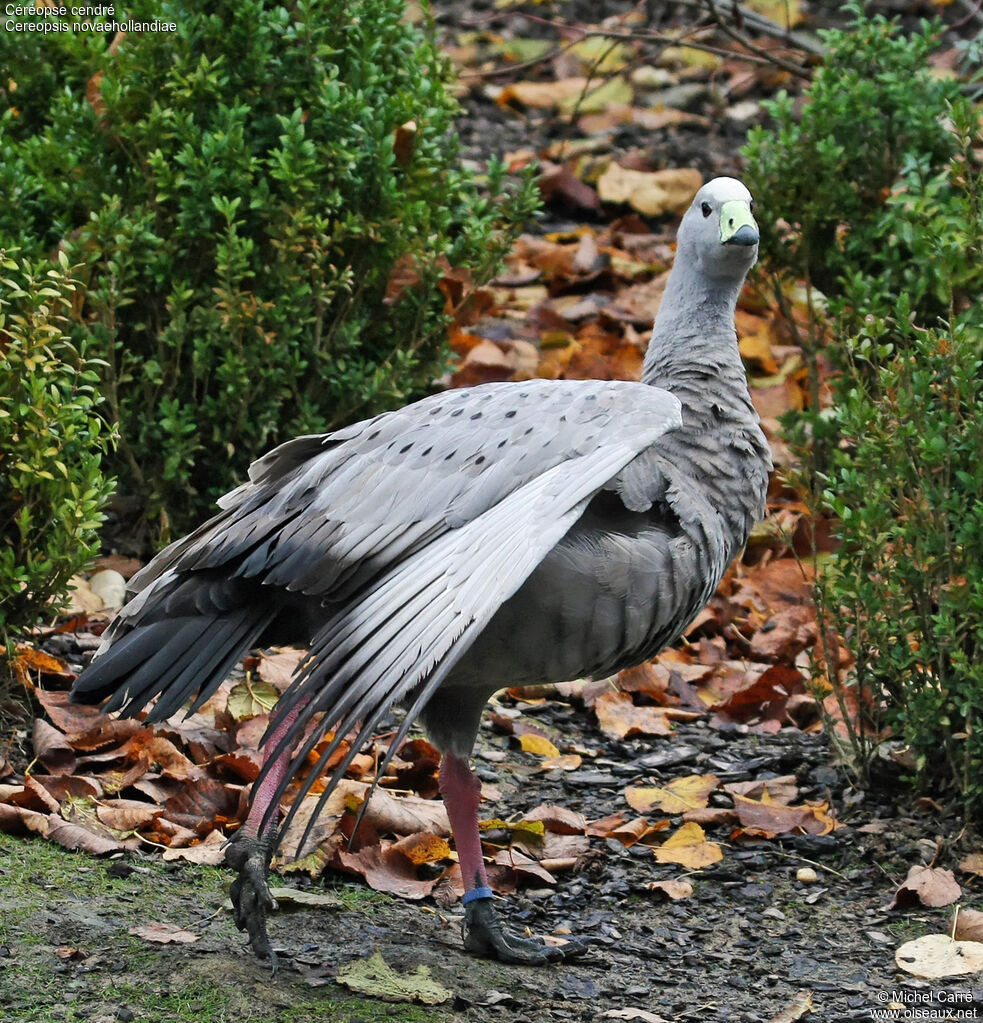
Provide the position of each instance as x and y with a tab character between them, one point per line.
485	936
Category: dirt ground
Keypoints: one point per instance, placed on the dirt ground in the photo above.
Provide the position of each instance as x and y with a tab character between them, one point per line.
744	948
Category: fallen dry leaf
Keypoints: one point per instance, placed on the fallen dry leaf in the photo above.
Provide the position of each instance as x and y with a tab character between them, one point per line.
972	864
929	886
780	790
163	934
642	1015
558	819
618	717
801	1006
423	847
652	193
209	852
689	848
937	955
968	925
537	744
376	978
688	793
673	890
51	748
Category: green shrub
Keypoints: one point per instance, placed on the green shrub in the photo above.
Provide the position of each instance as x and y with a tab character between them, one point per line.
242	192
906	587
52	443
838	182
873	198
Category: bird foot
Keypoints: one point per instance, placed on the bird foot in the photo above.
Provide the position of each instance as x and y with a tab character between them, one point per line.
484	935
250	891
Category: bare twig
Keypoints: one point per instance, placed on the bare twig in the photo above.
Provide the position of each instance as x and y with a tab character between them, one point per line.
742	39
753	54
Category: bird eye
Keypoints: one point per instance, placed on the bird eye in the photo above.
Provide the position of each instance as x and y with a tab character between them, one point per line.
750	205
706	209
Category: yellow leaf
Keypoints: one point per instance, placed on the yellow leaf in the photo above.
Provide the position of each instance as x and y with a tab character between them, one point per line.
650	192
423	847
538	744
783	12
598	97
689	848
689	793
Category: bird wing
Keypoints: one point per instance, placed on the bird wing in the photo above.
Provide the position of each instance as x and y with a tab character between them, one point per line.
325	515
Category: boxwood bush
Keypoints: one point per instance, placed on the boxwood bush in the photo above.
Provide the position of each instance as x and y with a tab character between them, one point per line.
265	202
52	444
871	194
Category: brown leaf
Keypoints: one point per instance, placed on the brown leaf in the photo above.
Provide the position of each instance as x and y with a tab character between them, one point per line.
163	934
34	796
17	820
73	719
652	193
634	831
618	717
71	953
972	864
28	662
126	814
768	819
385	870
406	815
801	1006
968	925
423	847
543	95
210	852
780	790
76	837
523	865
558	819
403	277
63	787
52	748
278	667
930	886
711	816
404	140
673	890
785	635
107	732
556	181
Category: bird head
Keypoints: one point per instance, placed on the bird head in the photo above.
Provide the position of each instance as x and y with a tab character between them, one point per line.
718	231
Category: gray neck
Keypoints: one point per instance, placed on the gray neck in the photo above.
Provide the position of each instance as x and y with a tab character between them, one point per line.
694	336
693	353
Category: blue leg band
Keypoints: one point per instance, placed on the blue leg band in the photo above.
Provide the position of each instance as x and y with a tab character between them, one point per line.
475	894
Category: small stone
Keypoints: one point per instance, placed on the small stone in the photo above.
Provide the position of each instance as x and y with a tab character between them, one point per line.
110	587
806	875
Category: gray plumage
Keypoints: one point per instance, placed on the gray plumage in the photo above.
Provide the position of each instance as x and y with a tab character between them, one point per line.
510	533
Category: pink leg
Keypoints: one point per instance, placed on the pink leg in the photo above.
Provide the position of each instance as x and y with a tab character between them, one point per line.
482	930
462	794
263	795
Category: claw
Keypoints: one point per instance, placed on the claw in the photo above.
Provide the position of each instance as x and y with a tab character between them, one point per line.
250	892
485	936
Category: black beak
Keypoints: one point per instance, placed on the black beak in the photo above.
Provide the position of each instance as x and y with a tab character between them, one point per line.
744	235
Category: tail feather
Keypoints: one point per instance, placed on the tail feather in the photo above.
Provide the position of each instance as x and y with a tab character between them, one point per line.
178	658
